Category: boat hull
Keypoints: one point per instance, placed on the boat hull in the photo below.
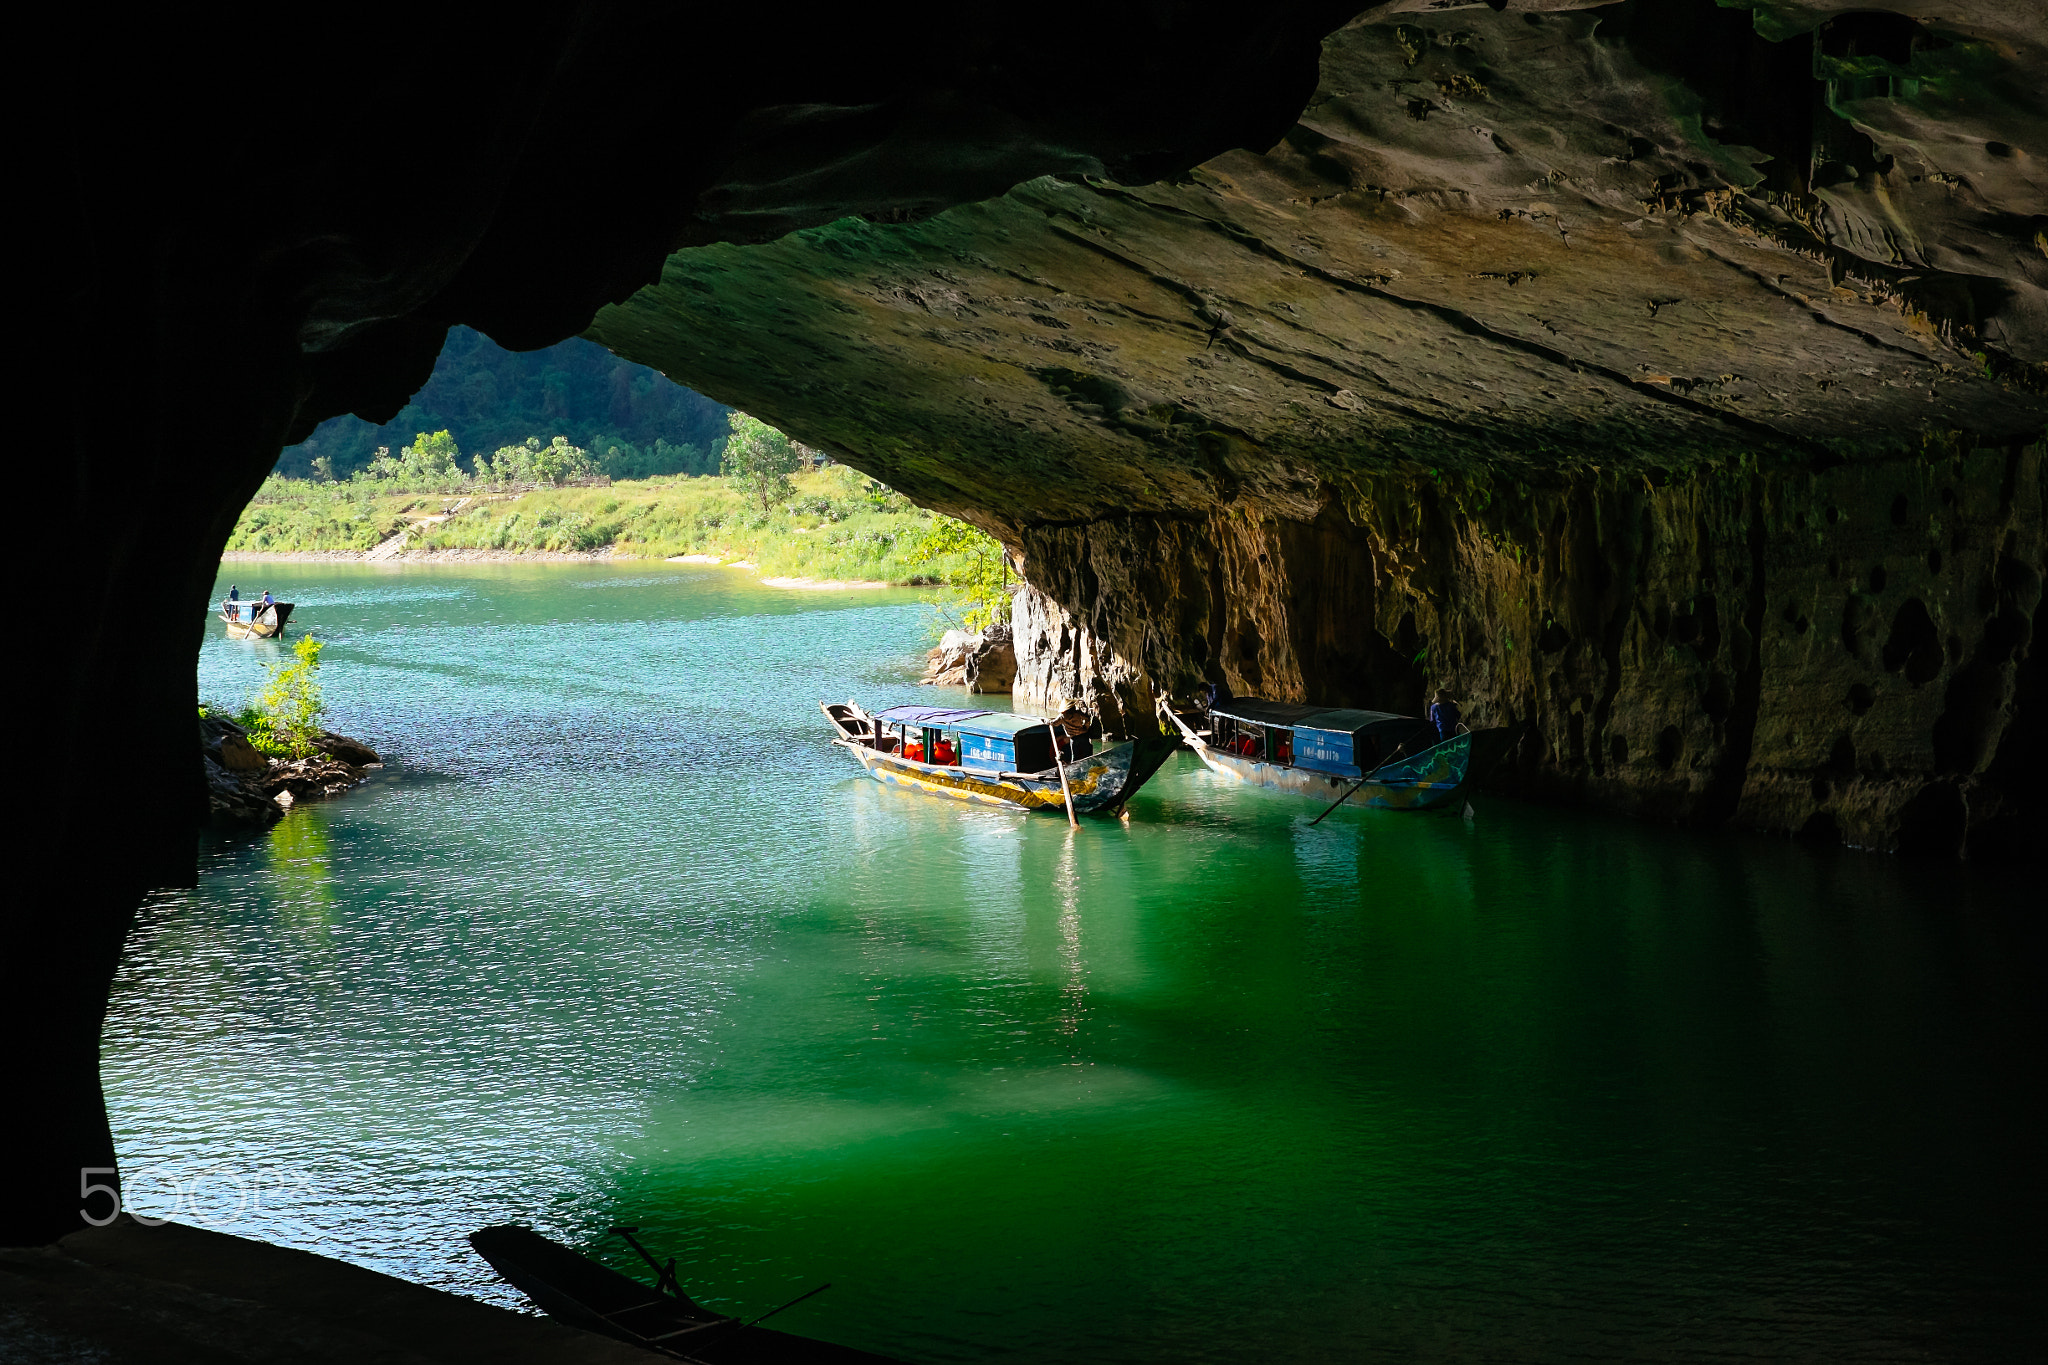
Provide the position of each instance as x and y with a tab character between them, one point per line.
1434	778
1100	782
268	625
571	1288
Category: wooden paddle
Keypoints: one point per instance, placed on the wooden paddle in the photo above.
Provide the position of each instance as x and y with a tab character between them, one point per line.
1340	800
1399	750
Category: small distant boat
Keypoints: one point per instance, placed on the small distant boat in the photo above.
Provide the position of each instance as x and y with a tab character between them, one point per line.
990	758
573	1289
253	620
1389	761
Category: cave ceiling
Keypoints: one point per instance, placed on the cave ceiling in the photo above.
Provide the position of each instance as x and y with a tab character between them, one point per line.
1535	240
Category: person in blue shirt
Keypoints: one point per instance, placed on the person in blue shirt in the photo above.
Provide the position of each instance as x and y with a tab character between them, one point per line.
1443	713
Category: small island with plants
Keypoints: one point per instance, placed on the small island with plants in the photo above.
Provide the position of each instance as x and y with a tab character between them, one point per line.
270	753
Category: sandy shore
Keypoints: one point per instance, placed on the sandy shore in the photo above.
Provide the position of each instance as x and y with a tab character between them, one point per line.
540	557
825	584
426	556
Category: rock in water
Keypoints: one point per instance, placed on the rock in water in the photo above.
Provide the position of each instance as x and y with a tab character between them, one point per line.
992	667
343	749
946	665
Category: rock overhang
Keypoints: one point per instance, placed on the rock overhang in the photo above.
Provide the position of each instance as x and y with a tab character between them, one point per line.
1536	240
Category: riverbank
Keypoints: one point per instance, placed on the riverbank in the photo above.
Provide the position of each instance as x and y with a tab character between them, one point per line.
837	529
799	582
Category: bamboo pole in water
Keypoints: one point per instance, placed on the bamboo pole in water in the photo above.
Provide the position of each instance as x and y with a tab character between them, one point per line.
1060	763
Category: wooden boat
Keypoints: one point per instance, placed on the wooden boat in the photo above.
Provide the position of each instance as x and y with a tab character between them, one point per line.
1393	762
573	1289
253	620
990	758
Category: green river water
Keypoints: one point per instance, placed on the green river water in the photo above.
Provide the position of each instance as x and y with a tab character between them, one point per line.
618	937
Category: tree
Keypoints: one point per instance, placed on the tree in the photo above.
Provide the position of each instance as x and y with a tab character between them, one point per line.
759	460
431	456
974	571
554	463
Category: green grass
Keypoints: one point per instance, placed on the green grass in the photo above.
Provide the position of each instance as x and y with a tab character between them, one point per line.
295	514
839	524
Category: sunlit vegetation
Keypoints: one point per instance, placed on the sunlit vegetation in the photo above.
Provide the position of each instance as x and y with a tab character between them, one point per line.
283	719
835	523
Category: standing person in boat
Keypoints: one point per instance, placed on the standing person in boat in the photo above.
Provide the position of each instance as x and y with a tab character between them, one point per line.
1444	714
234	603
1071	734
1216	690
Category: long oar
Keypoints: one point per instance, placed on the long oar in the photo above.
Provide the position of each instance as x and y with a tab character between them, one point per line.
1340	800
1398	751
1065	791
721	1341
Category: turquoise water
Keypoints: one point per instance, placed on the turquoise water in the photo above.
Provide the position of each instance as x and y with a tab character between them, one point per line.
618	937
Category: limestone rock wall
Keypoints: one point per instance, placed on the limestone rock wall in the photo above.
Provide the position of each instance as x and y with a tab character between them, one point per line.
1841	654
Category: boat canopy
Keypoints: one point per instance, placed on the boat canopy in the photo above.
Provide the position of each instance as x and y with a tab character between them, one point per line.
1335	740
993	723
938	717
1289	715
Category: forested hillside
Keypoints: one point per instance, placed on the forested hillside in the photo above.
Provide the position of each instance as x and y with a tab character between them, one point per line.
631	419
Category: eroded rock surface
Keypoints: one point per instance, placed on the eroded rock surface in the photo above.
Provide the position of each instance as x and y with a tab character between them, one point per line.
1667	376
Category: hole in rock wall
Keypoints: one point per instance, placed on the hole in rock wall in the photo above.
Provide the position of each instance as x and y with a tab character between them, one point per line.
1861	698
1934	561
1720	697
1820	828
1670	744
1972	718
1913	645
1899	510
1553	638
1619	749
1878	579
1842	758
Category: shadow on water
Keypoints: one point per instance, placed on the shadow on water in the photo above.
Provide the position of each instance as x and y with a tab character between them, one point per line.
638	945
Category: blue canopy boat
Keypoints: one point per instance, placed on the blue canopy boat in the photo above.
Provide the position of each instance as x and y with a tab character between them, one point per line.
1394	762
990	758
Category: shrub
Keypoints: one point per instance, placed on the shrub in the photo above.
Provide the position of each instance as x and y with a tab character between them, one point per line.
283	719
